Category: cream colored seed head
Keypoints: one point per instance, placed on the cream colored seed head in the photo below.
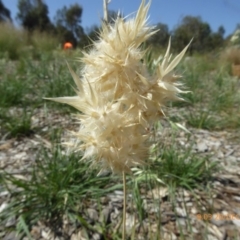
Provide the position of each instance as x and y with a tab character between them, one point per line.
117	97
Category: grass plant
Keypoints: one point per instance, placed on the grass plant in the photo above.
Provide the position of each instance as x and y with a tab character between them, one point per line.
57	184
231	55
17	43
13	92
44	42
119	105
18	124
56	187
213	98
168	164
173	167
201	120
12	41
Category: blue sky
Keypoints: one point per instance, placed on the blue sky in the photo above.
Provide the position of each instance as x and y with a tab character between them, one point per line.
170	12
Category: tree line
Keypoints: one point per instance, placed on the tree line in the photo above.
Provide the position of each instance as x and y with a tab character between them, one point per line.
34	15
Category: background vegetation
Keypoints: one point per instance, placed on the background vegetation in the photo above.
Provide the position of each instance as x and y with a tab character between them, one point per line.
33	17
32	66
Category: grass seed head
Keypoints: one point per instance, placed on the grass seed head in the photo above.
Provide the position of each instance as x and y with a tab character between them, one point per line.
117	97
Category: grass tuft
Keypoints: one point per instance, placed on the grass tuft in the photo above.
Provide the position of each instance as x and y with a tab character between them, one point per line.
57	186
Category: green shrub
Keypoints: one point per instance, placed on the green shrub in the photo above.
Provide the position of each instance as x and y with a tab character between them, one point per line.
12	41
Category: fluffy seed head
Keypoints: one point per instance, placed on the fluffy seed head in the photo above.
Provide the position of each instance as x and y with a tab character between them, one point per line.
117	98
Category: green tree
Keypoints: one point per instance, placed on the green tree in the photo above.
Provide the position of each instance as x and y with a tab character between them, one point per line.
192	27
68	23
217	38
221	31
90	35
160	38
33	15
5	14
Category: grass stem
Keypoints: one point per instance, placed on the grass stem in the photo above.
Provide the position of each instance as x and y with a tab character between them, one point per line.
124	206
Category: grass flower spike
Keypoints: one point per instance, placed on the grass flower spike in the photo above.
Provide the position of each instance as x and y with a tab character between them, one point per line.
117	97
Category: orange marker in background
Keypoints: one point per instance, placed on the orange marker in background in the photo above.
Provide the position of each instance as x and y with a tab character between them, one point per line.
67	46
